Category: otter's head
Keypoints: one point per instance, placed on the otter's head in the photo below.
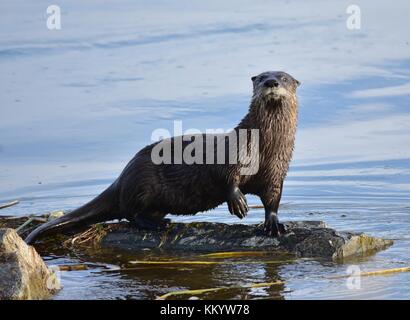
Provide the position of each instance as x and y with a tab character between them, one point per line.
274	85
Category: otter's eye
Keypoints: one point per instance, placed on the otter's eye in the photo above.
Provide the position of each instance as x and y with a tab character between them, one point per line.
284	79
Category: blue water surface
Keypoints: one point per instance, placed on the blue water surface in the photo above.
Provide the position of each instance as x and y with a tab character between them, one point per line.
77	103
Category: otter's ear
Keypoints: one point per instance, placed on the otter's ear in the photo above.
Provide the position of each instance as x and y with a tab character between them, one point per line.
297	82
253	78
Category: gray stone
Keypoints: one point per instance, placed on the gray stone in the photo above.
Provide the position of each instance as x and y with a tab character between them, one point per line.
311	239
23	274
303	238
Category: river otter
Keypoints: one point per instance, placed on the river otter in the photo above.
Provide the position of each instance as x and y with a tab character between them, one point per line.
146	192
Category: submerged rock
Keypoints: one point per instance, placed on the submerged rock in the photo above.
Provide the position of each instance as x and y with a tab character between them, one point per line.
304	239
23	274
311	239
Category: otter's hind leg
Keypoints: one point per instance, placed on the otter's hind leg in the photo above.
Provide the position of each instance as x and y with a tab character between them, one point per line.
271	199
149	221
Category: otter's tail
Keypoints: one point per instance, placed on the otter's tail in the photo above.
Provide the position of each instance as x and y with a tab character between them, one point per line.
104	207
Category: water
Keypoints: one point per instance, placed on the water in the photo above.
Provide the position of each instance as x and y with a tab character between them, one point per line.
77	103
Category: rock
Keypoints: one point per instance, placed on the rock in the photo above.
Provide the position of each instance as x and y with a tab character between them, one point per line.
311	239
303	239
23	274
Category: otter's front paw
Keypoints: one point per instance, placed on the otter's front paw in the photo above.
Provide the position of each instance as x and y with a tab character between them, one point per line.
237	203
272	226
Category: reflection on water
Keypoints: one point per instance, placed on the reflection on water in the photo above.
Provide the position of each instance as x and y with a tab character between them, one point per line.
153	281
76	104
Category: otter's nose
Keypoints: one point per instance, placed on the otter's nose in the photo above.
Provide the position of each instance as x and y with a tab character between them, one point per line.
272	83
